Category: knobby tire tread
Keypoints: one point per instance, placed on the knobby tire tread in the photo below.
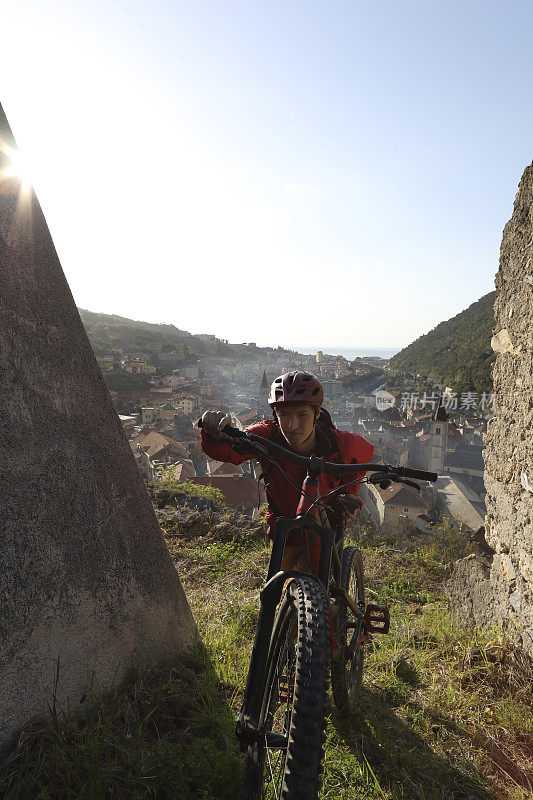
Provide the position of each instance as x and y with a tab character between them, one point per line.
305	752
345	701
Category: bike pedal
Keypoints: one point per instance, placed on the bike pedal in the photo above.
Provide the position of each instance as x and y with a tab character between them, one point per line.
286	690
377	619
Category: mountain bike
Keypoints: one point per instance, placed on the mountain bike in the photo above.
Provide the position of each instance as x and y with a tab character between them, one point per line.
312	621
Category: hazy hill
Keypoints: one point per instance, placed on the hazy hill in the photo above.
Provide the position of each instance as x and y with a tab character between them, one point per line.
108	331
457	352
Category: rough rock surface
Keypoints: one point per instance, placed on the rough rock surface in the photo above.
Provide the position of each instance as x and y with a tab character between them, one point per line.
86	582
503	592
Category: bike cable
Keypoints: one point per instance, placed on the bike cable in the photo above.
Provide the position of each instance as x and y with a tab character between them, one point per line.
356	481
302	493
293	483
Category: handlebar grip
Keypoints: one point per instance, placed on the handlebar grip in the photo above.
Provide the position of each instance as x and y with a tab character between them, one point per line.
405	472
235	432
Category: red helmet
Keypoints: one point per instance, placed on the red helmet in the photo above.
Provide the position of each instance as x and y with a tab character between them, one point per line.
296	387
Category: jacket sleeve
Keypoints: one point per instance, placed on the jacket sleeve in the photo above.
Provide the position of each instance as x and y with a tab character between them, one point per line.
220	450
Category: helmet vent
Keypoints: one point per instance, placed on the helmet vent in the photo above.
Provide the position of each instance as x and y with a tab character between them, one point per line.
296	387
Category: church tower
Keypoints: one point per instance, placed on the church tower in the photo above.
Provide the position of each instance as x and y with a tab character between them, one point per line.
264	389
439	440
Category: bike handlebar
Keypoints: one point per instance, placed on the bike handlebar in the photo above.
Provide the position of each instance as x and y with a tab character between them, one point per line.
406	472
318	464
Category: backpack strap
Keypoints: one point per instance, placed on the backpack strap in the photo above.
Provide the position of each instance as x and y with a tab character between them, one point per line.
332	443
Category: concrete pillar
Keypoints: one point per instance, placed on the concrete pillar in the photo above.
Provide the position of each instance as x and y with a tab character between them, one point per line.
86	581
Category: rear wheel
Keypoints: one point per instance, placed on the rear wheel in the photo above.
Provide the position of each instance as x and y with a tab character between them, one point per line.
286	763
346	672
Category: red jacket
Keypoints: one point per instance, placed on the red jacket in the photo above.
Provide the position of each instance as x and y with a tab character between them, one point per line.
337	446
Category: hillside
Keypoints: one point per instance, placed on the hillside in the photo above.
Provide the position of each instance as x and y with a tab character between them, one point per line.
109	331
457	352
445	711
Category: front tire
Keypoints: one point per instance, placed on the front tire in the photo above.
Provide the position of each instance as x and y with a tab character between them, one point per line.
294	697
347	676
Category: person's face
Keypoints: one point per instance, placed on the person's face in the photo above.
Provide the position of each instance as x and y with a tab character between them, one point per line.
296	421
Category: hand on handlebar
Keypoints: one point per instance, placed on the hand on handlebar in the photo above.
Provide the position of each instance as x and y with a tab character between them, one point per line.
352	504
214	422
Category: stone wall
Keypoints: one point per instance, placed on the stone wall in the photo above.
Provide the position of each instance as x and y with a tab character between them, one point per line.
502	590
86	582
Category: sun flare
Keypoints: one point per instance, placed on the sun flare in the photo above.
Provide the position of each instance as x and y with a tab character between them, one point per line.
16	167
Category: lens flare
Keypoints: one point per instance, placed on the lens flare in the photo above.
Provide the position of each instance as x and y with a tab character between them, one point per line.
14	167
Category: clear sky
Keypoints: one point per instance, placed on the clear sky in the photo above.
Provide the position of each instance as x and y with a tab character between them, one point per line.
284	172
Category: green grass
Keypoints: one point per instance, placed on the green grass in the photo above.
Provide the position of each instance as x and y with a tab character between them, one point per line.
444	714
164	733
169	491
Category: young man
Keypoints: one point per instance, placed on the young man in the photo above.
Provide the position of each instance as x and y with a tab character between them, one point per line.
301	425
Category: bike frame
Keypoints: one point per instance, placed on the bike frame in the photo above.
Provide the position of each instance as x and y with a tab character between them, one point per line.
270	596
373	618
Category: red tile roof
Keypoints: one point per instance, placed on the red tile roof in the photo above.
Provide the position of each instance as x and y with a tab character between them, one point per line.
239	491
224	468
183	471
154	442
397	494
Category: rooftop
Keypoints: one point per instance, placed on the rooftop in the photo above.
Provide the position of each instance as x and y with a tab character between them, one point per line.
398	494
153	442
238	490
457	503
466	457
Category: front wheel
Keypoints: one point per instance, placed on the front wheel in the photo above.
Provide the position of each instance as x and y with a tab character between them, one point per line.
286	762
347	672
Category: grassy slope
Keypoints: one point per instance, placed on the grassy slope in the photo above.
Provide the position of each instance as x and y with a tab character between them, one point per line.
445	713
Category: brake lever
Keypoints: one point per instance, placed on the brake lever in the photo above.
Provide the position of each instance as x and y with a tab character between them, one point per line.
381	479
385	479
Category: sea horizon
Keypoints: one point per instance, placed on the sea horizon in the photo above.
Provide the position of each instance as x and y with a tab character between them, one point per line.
349	353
